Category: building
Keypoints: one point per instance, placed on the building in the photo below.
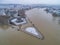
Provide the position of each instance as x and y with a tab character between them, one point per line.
21	13
2	12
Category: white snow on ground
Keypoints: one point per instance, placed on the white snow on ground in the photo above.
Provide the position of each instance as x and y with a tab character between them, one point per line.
32	30
14	21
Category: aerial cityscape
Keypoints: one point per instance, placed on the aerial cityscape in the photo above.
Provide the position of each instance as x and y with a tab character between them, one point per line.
27	24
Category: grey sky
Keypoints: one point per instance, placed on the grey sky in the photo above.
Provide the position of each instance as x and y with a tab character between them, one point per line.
30	1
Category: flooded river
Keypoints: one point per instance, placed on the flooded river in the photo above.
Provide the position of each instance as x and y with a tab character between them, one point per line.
49	26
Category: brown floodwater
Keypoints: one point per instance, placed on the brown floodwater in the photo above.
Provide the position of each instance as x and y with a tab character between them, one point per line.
48	25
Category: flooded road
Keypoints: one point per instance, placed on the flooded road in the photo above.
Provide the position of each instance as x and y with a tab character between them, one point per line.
47	25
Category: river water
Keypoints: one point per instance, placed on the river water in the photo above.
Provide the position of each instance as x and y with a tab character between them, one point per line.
48	25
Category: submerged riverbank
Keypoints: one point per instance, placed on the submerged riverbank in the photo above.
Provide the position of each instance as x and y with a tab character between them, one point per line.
43	21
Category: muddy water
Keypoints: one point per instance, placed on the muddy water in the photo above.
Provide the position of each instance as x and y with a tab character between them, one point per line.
47	25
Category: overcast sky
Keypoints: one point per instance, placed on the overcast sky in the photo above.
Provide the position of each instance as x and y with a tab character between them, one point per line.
30	2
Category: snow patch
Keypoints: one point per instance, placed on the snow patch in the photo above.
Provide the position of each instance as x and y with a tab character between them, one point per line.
32	30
